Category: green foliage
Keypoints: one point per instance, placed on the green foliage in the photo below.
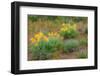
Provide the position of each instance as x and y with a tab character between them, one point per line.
70	45
41	52
71	33
55	43
37	17
82	54
86	30
78	19
44	50
83	42
33	18
65	19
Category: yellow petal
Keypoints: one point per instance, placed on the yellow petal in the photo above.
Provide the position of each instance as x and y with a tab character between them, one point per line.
33	40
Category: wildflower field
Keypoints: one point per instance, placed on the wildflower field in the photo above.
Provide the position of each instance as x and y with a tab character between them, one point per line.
57	37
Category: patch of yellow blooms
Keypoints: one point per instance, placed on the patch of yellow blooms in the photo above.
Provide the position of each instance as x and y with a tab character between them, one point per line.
67	27
53	34
39	36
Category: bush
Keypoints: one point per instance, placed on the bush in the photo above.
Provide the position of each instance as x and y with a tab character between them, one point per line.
71	45
69	31
55	43
44	49
40	52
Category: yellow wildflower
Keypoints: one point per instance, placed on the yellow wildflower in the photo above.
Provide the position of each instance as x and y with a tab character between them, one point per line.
41	34
53	34
45	38
49	34
36	36
64	29
33	40
38	39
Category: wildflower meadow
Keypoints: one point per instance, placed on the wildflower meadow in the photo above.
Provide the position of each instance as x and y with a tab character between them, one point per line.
57	37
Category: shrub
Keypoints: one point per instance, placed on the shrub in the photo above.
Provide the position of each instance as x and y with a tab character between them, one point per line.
69	31
55	43
40	51
44	49
70	45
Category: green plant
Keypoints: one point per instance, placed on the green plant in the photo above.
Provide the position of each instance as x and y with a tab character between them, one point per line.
41	51
86	30
83	42
69	31
55	43
44	49
82	54
70	45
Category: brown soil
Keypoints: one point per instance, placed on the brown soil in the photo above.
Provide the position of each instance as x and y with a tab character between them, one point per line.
68	56
72	55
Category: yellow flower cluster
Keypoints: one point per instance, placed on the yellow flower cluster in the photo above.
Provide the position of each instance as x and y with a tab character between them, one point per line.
53	34
64	28
74	26
67	27
39	36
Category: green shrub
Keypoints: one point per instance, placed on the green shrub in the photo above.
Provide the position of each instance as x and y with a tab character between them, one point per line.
55	43
71	45
69	31
40	52
44	50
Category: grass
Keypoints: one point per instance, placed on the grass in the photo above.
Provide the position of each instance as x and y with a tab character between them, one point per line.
82	54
